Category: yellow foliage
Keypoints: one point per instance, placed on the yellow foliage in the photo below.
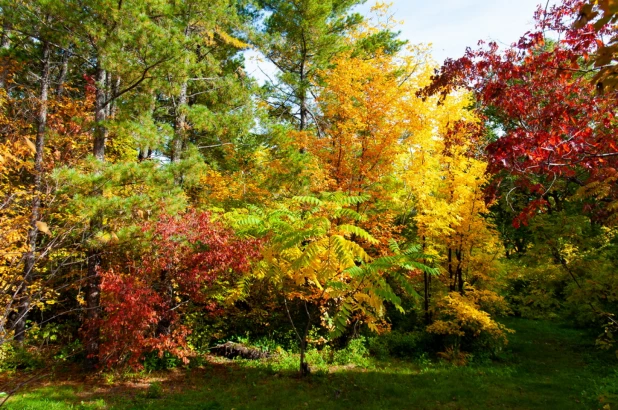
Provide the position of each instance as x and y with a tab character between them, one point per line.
368	107
445	179
16	198
601	189
67	142
461	315
231	40
314	256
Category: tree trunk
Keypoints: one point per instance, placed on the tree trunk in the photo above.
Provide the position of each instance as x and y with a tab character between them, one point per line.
109	94
302	339
5	41
302	95
302	91
93	284
30	257
304	366
100	115
64	71
113	103
180	124
459	271
303	108
451	275
146	152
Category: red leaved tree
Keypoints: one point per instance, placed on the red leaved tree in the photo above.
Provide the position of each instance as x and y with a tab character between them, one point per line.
144	303
553	125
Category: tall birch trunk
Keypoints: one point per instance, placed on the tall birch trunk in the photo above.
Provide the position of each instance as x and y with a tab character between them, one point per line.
35	215
93	283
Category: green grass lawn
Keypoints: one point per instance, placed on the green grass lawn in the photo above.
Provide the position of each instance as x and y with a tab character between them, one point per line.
547	366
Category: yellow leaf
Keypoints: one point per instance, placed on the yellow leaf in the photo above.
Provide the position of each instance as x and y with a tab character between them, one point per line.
103	238
233	41
31	145
42	226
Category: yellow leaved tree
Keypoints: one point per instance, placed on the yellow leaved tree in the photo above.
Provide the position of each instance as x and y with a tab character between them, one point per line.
445	175
368	107
409	156
16	196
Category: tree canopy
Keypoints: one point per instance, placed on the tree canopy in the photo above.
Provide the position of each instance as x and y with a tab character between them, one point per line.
156	201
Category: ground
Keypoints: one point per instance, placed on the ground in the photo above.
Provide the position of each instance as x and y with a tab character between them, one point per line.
546	366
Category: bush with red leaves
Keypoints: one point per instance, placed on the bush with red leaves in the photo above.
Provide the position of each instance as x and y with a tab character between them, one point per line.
143	303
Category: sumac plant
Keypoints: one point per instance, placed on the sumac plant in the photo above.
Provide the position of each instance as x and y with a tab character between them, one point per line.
144	303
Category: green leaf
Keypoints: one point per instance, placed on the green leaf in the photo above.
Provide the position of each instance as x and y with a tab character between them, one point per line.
348	213
311	200
360	232
249	220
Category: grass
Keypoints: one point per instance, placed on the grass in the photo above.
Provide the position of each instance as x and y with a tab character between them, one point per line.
547	366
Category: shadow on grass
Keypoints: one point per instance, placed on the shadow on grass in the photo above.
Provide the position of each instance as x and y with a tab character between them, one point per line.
549	370
230	386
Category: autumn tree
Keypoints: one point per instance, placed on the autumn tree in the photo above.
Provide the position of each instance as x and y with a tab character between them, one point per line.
446	177
451	221
551	129
35	27
553	146
315	261
67	137
39	29
368	109
367	112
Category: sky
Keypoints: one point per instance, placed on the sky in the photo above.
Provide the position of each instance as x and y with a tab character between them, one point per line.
453	25
449	25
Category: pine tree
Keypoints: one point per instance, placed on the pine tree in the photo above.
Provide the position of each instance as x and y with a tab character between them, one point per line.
300	37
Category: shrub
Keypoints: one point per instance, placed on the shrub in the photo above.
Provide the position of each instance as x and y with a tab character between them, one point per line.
399	344
466	326
354	353
16	357
144	302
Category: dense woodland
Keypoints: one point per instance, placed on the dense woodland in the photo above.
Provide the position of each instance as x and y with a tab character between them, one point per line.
156	201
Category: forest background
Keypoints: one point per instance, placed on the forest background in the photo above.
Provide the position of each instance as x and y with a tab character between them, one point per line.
156	202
